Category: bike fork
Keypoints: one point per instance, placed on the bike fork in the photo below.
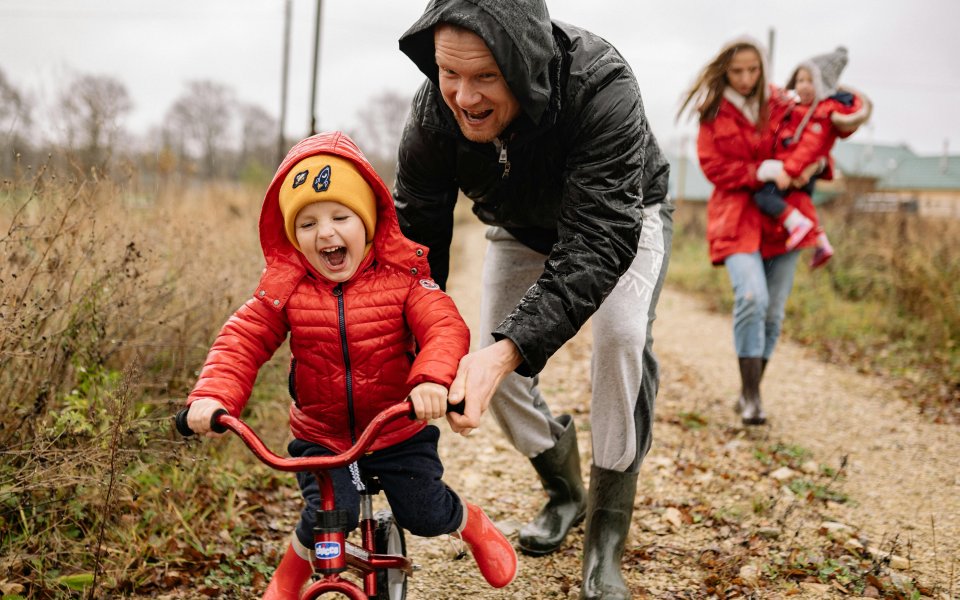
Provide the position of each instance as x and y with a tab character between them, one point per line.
367	529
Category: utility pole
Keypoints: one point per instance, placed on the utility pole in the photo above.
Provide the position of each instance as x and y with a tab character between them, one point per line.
682	170
770	39
316	70
285	70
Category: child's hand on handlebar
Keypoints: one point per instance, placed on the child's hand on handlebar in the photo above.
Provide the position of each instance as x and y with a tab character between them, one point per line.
429	400
199	415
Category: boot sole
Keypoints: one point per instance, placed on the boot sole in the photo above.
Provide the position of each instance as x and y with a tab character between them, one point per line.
544	552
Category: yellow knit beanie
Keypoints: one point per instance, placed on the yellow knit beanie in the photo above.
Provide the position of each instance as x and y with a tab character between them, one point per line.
326	177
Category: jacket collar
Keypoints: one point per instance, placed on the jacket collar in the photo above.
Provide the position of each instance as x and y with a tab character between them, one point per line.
748	107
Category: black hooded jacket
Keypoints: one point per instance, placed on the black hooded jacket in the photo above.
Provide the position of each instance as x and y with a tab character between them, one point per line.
568	177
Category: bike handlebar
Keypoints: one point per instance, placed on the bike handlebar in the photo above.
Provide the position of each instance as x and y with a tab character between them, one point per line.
222	421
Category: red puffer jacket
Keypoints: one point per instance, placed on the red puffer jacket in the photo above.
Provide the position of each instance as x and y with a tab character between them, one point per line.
816	140
731	149
353	344
818	135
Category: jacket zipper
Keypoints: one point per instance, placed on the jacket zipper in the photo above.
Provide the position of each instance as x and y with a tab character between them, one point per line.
341	318
504	160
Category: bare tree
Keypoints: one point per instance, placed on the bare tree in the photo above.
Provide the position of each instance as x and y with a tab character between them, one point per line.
14	124
381	125
201	120
92	107
258	132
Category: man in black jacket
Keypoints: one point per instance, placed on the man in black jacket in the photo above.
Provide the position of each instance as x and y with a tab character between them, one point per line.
541	125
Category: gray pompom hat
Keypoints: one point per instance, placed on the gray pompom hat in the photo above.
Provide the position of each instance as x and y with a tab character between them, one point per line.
825	71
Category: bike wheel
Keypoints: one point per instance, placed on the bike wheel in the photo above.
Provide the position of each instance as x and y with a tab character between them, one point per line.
388	539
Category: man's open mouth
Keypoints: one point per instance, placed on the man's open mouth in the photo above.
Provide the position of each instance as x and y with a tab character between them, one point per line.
476	117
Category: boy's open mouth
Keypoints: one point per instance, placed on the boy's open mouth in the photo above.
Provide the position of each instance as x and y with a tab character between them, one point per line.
334	257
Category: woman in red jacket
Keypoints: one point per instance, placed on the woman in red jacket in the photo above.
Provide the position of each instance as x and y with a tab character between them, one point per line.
739	117
357	299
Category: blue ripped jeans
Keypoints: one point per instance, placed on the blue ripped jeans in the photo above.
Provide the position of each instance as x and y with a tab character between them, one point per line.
760	292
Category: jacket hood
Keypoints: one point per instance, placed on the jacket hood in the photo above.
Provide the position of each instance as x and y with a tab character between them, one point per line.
286	263
519	33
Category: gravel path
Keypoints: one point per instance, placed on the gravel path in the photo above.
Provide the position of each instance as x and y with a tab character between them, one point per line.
718	514
903	472
702	490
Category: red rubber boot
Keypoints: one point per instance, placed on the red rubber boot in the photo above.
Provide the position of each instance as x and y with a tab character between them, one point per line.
289	577
494	554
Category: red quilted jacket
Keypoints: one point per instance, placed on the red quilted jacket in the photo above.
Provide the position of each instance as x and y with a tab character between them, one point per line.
730	149
353	344
817	139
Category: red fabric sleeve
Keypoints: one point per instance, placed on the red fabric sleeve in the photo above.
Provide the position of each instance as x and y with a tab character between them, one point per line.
440	331
247	340
723	170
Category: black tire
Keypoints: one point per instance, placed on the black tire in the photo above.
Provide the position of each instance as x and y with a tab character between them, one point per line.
388	539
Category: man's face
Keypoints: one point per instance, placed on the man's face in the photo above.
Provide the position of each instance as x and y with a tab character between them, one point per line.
472	85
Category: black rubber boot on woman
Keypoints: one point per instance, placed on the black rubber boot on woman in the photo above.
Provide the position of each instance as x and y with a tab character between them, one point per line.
559	471
749	406
609	509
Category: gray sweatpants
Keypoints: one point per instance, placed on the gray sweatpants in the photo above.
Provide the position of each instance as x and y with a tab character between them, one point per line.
624	370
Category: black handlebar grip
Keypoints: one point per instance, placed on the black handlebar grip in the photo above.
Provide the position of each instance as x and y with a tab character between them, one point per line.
451	408
181	420
216	426
184	429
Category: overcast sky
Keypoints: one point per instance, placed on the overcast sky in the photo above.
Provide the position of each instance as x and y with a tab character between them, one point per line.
904	55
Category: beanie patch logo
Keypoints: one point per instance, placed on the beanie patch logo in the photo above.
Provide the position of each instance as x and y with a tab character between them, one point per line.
300	178
322	181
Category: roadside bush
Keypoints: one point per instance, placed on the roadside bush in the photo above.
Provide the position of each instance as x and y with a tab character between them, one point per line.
109	298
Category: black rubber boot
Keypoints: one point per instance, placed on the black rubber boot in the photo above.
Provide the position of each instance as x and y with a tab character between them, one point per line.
749	406
559	471
609	508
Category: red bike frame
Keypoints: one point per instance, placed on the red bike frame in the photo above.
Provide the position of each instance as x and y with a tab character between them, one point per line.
332	553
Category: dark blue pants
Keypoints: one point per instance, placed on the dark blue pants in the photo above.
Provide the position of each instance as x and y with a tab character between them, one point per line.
770	200
410	474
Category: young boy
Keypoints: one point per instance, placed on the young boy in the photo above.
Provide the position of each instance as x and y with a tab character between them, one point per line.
822	114
356	297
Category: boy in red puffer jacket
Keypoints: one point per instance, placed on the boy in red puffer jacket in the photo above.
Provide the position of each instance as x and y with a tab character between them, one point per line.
823	113
357	299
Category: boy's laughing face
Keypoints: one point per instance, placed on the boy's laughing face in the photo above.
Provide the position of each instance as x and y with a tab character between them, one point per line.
333	239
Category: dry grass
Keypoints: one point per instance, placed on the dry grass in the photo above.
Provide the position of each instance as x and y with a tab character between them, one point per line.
109	298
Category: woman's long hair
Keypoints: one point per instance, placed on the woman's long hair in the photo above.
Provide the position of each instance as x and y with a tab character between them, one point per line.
705	94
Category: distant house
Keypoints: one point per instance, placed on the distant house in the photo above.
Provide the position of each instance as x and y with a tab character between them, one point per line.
687	181
887	178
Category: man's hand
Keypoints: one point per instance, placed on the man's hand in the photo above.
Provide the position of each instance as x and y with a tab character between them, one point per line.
199	415
429	400
478	377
